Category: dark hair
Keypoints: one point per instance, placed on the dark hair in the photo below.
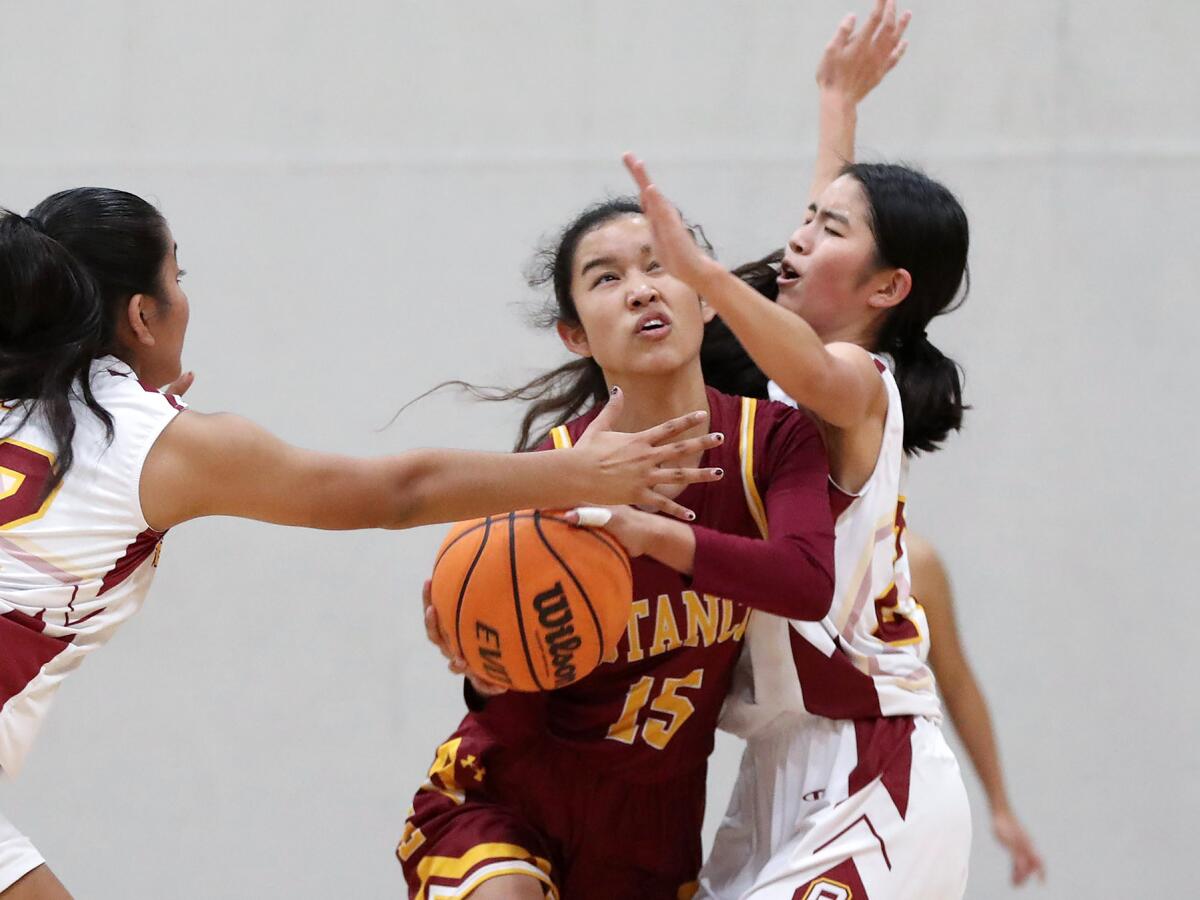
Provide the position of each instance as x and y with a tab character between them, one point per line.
65	271
577	386
918	225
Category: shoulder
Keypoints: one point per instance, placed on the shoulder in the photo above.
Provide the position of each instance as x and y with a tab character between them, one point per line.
116	387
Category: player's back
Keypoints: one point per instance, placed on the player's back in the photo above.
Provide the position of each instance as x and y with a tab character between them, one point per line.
72	564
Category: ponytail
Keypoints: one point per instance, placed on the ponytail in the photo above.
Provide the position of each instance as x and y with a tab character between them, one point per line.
51	328
66	271
919	226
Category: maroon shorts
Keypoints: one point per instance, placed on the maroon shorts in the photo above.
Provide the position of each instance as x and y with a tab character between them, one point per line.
488	810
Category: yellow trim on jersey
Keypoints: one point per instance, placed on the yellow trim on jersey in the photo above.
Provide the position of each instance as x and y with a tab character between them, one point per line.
513	860
561	437
20	480
825	881
746	455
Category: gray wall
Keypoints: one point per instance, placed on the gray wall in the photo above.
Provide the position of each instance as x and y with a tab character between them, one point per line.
355	187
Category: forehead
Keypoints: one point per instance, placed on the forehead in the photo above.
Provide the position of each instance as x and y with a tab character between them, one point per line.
845	193
625	235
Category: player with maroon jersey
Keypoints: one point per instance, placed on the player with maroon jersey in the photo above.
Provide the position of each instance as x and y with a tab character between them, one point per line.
597	789
96	464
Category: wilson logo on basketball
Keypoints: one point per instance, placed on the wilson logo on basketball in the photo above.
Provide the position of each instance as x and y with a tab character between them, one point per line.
555	615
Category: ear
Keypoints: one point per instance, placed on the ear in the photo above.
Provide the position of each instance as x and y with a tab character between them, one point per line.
574	338
137	314
890	292
707	313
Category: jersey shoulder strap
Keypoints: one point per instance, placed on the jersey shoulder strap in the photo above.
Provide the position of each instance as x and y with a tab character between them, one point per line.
561	437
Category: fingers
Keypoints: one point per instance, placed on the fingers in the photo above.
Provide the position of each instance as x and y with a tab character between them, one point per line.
897	55
433	631
689	448
637	169
845	29
660	434
181	384
652	500
876	17
589	516
484	687
608	416
685	475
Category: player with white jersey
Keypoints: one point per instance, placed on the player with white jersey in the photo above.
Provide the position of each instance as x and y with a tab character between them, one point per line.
96	464
847	788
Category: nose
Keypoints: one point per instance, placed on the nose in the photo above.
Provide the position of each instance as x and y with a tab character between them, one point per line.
798	242
640	294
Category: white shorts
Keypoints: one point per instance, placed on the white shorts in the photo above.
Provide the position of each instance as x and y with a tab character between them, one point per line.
803	825
18	856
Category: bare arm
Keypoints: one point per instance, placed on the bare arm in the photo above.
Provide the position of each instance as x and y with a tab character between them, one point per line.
214	465
854	62
965	703
837	382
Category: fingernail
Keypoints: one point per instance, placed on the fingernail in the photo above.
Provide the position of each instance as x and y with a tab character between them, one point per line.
720	473
691	516
615	390
720	438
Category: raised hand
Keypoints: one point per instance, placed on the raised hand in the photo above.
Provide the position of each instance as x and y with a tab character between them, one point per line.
674	247
649	458
855	60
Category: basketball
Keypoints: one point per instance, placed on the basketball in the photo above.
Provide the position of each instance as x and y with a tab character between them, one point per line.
529	600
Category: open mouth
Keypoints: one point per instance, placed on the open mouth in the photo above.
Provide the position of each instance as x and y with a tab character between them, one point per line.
653	325
787	274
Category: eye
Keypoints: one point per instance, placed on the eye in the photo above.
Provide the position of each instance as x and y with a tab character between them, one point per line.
653	266
829	230
607	276
179	277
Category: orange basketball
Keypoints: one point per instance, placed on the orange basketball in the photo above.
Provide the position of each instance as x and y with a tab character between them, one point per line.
529	600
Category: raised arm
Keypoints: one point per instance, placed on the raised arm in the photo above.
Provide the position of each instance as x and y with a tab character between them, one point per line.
966	705
224	465
837	382
854	62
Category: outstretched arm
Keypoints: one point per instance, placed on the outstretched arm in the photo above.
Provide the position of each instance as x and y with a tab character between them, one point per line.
966	705
224	465
854	62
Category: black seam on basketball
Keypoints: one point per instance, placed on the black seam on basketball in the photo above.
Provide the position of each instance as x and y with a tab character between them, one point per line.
604	538
459	537
537	524
486	525
512	568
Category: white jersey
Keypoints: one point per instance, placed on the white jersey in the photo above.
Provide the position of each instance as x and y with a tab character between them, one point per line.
75	565
866	658
847	788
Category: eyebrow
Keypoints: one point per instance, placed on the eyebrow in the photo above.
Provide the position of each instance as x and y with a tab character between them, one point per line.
830	214
609	260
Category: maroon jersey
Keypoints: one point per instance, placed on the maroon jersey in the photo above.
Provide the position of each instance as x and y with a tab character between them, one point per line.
649	711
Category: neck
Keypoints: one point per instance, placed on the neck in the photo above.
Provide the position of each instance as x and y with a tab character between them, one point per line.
653	399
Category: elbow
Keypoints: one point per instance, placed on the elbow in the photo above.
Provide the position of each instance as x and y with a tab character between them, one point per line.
814	590
410	491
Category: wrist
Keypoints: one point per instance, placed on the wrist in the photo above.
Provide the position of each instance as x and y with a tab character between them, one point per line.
709	276
839	100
